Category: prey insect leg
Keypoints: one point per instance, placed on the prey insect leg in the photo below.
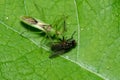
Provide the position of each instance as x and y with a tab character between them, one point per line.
71	36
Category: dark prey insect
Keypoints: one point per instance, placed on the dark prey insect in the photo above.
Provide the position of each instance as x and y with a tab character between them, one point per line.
63	46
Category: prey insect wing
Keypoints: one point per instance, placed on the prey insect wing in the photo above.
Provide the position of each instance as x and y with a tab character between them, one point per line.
57	53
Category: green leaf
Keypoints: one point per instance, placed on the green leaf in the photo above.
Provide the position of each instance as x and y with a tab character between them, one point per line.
24	54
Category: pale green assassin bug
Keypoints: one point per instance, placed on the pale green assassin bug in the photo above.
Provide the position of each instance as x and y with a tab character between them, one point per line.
36	23
64	45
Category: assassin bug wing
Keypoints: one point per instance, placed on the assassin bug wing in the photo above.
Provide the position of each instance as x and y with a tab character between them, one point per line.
36	23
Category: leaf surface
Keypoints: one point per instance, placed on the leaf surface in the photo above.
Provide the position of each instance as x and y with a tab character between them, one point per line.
96	57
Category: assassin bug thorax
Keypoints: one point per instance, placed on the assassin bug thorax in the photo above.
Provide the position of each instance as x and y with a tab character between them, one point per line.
63	46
